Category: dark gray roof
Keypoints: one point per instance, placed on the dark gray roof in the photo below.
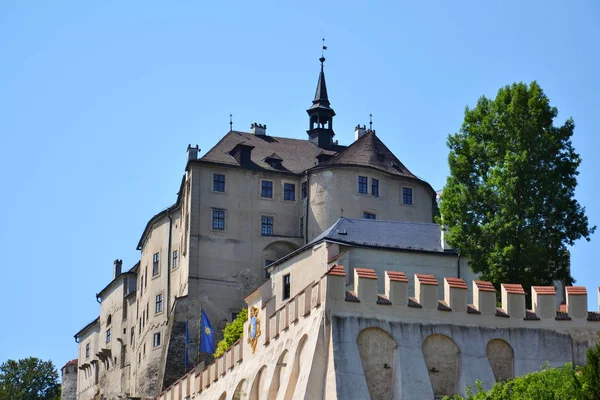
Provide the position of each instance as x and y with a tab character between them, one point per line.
402	235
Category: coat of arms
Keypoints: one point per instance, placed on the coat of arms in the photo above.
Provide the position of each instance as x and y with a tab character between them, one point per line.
253	328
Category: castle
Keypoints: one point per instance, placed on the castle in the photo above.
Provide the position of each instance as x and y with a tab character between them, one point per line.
370	305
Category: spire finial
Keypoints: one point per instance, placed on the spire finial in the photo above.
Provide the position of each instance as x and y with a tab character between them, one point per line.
323	48
370	122
230	122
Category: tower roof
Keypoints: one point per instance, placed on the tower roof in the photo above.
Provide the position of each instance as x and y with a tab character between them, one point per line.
321	98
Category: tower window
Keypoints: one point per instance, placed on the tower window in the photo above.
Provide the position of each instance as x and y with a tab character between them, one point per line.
375	187
108	335
155	262
289	191
87	350
218	183
156	341
175	259
266	226
132	335
304	189
368	215
362	184
218	222
407	196
267	189
287	285
159	303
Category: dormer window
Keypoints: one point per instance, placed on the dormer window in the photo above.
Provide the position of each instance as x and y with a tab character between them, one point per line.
274	161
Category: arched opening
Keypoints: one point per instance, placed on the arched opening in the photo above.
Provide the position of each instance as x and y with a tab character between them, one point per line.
240	391
291	387
377	350
501	356
279	371
223	396
256	392
276	250
441	357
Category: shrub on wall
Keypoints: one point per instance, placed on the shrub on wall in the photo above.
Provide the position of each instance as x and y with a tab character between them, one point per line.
233	331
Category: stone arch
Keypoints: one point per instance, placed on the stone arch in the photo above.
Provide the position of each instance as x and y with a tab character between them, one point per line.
501	356
377	350
255	392
223	396
279	371
240	391
442	360
278	249
291	387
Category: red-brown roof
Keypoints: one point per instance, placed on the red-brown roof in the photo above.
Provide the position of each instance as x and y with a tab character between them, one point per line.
484	286
576	290
457	283
513	288
366	273
397	276
540	290
72	362
337	270
425	279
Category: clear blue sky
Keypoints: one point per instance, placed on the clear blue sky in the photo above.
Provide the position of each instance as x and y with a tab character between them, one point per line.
98	101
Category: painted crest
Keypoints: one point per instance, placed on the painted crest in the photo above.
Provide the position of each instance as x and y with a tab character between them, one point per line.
253	328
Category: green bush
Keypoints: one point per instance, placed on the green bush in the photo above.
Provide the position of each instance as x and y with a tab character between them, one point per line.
591	373
233	331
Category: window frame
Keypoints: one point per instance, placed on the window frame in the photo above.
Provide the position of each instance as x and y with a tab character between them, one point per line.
156	264
217	218
175	260
375	187
87	350
262	189
263	225
286	286
402	198
287	191
158	303
369	214
156	340
218	184
108	335
363	187
304	190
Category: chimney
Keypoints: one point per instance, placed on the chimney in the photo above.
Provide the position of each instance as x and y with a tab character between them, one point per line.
259	129
192	152
359	131
117	268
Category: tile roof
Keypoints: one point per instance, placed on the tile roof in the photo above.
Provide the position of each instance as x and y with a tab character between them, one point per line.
425	279
366	273
593	316
457	283
541	290
443	306
484	286
513	288
397	276
471	309
576	290
501	313
352	297
562	316
383	299
412	302
403	235
531	316
337	270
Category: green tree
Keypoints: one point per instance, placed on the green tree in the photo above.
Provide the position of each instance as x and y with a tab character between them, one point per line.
509	201
591	373
233	331
29	379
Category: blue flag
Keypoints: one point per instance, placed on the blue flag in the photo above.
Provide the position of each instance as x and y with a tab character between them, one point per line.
207	339
187	341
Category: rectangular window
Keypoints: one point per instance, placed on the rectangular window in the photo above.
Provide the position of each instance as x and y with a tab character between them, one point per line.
266	227
289	191
406	195
132	335
266	189
108	335
218	222
375	187
301	226
143	318
218	183
87	350
286	286
175	259
362	184
159	303
140	327
367	215
155	262
304	189
156	341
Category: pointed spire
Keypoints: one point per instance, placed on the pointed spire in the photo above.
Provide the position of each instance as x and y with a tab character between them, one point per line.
320	113
321	97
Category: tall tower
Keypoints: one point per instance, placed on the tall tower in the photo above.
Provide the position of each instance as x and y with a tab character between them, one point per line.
321	115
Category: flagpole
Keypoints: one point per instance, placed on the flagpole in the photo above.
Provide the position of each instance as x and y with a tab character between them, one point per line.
199	334
185	361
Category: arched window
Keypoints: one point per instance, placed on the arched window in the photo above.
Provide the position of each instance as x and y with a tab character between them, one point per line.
291	387
501	357
442	360
377	350
279	372
240	391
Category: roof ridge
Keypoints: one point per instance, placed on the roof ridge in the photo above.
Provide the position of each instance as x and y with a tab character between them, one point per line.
391	221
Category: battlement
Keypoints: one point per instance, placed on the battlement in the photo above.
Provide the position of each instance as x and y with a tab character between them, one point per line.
454	301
